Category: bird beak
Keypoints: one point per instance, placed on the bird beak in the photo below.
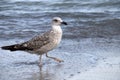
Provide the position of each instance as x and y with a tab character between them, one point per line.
64	23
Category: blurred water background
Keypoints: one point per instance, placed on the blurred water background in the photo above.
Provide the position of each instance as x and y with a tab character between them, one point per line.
89	18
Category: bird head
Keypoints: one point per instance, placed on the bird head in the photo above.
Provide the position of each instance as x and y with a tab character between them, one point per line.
57	21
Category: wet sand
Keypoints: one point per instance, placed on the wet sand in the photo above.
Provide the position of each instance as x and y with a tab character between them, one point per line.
84	59
107	69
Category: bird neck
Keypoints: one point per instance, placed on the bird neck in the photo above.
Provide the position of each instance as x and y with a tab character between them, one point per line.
57	28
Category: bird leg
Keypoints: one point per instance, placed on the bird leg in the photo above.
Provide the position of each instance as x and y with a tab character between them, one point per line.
56	59
40	59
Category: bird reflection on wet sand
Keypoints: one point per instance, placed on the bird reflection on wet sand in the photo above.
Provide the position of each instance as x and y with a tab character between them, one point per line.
50	73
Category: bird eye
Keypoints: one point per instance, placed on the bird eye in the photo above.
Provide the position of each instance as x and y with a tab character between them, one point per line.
55	20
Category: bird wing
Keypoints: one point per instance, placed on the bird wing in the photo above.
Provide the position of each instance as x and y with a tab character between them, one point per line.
37	42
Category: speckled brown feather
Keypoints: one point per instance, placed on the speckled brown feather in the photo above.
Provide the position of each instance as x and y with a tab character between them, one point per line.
33	44
37	42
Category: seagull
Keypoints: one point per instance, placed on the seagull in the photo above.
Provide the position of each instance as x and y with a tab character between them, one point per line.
43	43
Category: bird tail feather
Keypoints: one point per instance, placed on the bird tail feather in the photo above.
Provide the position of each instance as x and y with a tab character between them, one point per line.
16	47
12	47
